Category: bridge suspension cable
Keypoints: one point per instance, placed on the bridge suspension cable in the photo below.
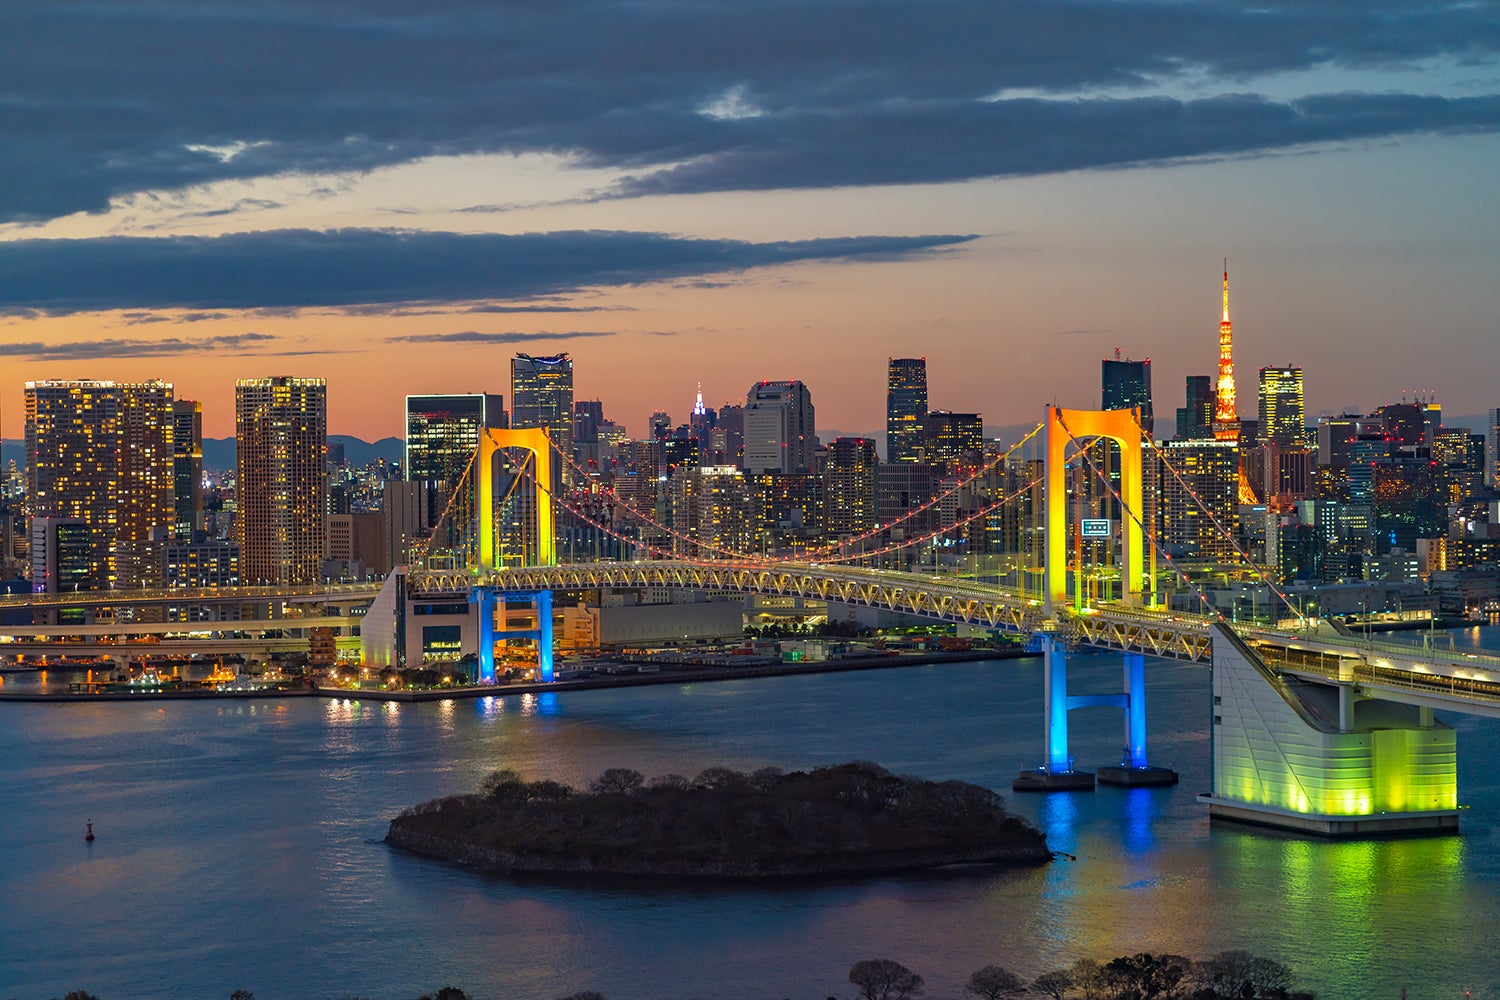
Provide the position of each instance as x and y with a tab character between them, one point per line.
817	552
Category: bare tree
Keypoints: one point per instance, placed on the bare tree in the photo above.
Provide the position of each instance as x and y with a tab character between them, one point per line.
994	983
618	781
1054	984
883	979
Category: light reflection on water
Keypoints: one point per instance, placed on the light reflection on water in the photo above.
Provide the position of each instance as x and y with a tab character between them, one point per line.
245	835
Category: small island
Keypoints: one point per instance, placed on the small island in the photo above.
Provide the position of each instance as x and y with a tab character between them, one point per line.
855	818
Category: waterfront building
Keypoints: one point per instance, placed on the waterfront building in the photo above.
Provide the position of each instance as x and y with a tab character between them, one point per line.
849	474
281	434
779	428
187	466
541	395
212	563
1226	412
1126	384
1283	410
62	555
905	408
102	452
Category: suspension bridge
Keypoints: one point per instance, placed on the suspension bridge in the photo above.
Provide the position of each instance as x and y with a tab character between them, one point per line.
1314	729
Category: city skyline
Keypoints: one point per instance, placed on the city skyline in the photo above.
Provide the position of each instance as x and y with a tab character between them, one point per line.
1011	189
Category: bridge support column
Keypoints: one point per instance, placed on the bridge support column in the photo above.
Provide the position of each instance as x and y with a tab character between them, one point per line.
485	599
1056	772
1135	769
544	635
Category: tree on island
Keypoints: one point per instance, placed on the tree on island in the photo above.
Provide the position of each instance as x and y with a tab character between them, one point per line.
883	979
995	983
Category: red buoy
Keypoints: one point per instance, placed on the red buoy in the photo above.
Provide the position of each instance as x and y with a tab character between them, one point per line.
90	835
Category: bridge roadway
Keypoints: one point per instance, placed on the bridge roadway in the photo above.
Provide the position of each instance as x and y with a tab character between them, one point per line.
324	593
1409	673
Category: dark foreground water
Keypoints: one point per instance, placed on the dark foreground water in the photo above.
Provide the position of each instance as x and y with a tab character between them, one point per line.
239	847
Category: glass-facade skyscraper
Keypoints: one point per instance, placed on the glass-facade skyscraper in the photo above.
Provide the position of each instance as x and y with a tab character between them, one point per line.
442	432
905	409
541	395
1127	384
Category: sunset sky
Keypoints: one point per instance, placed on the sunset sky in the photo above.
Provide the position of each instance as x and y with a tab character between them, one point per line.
400	196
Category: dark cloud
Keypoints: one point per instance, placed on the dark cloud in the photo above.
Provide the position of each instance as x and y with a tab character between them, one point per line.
108	97
286	270
120	347
508	337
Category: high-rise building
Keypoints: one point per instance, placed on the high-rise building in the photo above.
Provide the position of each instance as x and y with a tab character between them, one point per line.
713	511
780	434
1283	412
187	466
905	409
62	555
1492	451
72	430
442	436
102	452
1195	421
541	395
1127	384
849	487
281	434
1226	412
953	441
1204	489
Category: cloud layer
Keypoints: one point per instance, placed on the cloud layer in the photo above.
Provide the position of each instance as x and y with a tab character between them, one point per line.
297	268
111	97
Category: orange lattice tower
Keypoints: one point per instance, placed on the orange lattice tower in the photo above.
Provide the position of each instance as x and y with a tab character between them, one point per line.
1226	415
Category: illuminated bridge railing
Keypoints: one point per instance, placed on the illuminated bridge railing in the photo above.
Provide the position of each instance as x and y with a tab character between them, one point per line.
907	593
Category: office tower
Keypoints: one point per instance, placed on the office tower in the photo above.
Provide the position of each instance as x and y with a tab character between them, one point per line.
1283	413
541	395
701	426
953	441
1337	435
849	487
789	509
1204	489
1127	384
905	409
729	434
779	424
1492	451
1403	423
1195	421
588	415
187	466
102	452
442	433
281	433
62	555
1226	413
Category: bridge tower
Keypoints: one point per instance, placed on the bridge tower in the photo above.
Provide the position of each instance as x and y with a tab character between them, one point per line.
1056	772
485	595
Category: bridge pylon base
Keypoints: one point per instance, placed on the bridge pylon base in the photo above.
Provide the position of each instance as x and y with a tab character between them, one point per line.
1053	781
1136	777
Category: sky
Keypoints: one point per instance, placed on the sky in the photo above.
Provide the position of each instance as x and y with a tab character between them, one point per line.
401	196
